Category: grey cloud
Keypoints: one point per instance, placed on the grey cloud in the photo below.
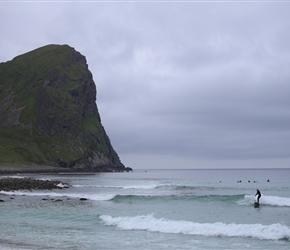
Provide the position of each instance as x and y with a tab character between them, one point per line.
186	80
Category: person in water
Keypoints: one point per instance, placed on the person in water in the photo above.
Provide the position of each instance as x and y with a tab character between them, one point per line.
259	195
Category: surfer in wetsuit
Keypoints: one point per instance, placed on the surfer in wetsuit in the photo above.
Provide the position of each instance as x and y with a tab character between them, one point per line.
259	195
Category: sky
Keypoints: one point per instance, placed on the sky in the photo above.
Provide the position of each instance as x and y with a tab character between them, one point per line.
180	84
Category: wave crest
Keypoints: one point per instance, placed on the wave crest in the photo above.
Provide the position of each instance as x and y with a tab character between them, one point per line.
161	225
266	200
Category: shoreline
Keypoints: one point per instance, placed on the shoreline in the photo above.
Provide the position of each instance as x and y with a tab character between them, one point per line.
37	169
10	181
8	184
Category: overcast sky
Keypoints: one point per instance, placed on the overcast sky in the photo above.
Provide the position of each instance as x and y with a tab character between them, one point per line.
180	84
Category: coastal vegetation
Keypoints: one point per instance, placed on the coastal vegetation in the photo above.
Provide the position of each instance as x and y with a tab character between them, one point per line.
49	116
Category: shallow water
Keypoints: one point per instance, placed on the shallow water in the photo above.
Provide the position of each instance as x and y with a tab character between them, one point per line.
153	209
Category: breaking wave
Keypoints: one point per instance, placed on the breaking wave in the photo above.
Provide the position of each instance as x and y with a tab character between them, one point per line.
148	186
128	198
239	199
93	197
161	225
164	198
266	200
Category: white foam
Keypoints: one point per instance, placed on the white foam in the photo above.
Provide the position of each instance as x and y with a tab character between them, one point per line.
155	186
149	186
266	200
90	186
152	224
61	185
94	186
13	176
100	197
275	201
94	197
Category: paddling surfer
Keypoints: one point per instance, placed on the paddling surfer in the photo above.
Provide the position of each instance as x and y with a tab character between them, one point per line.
259	195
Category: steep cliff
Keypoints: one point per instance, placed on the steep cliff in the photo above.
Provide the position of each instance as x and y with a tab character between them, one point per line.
48	113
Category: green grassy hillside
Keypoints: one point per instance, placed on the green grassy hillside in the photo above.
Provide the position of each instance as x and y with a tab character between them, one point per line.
48	112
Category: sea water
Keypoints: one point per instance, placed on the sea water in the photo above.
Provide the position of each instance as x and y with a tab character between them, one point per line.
151	209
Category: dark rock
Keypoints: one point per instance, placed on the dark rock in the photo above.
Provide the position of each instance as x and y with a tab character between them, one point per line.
2	201
11	184
83	199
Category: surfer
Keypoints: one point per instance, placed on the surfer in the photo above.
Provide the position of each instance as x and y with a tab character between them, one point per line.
259	195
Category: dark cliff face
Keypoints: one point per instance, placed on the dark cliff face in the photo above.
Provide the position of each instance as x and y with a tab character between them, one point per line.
48	112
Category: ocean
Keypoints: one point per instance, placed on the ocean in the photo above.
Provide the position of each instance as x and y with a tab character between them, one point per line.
151	209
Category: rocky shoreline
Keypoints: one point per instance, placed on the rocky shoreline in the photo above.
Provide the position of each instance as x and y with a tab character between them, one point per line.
13	184
35	169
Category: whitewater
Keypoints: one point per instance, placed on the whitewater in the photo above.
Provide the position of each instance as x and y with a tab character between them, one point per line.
151	209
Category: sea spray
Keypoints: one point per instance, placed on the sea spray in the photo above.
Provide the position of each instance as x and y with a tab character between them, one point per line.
93	197
161	225
266	200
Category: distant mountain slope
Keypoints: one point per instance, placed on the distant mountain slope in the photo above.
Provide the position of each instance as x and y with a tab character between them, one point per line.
48	113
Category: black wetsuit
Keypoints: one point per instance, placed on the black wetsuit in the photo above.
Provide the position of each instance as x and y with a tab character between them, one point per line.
259	195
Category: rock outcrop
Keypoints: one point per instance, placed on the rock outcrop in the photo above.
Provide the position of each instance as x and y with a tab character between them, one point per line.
48	113
12	184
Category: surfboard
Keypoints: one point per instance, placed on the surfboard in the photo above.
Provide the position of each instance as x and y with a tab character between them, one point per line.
256	204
